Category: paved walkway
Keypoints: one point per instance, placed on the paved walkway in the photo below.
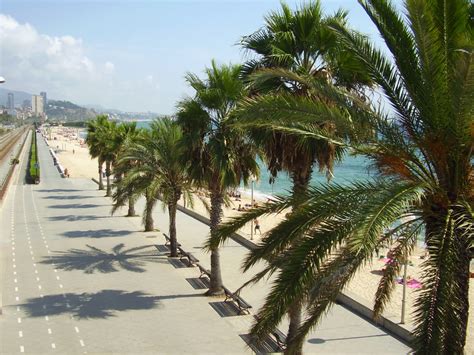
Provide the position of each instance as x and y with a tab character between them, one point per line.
77	280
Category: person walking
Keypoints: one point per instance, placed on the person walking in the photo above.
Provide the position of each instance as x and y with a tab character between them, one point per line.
257	226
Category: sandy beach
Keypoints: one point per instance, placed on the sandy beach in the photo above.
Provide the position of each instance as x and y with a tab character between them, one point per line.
75	157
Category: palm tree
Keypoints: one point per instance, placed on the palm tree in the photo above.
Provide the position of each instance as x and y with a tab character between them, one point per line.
110	140
92	141
221	156
423	154
104	143
156	169
294	53
127	134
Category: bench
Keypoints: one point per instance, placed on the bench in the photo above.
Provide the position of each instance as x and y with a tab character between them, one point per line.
204	271
239	301
192	261
278	335
280	338
168	240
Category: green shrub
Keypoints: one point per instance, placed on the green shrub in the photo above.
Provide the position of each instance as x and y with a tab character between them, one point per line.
34	169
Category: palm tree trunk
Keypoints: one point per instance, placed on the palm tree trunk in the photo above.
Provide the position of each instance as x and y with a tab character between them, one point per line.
295	320
108	173
172	231
301	178
101	182
216	286
131	207
149	204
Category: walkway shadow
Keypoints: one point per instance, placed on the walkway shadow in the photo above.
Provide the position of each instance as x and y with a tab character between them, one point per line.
322	341
73	217
103	304
59	190
75	205
67	197
97	260
98	233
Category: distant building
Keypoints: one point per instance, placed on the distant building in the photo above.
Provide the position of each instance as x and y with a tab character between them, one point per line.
45	98
37	104
10	101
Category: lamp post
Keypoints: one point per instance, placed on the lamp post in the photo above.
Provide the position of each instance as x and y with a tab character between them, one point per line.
252	179
404	297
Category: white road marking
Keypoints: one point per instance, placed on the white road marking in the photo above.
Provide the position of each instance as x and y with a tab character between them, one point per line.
17	298
68	305
13	248
31	252
18	308
39	287
20	334
14	266
19	320
22	349
46	317
16	289
82	342
53	345
49	331
13	253
36	271
14	272
15	280
55	270
34	264
60	286
37	279
41	295
76	329
13	260
57	277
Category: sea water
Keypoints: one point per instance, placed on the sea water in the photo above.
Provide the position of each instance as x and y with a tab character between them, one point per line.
350	169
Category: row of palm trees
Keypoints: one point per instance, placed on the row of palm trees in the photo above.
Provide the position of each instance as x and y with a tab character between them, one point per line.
302	101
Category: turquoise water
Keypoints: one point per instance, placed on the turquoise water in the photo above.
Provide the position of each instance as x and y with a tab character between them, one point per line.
350	169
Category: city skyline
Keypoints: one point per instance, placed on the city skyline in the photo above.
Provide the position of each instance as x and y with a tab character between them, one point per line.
85	57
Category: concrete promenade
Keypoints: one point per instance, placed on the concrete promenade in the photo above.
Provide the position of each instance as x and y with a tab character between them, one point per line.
77	280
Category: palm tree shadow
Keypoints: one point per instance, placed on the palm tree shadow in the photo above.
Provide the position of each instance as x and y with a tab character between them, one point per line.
97	233
93	259
103	304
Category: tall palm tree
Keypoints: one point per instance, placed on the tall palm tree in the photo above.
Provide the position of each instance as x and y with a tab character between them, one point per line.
95	146
423	154
293	45
157	169
221	156
127	134
110	139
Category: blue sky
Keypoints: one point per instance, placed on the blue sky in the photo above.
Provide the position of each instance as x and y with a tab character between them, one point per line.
124	54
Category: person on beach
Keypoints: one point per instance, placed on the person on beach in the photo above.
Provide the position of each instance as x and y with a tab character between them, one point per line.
257	227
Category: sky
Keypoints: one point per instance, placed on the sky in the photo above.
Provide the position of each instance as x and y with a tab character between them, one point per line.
130	55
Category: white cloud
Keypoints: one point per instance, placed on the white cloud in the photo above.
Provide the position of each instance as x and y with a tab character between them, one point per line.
65	67
109	67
